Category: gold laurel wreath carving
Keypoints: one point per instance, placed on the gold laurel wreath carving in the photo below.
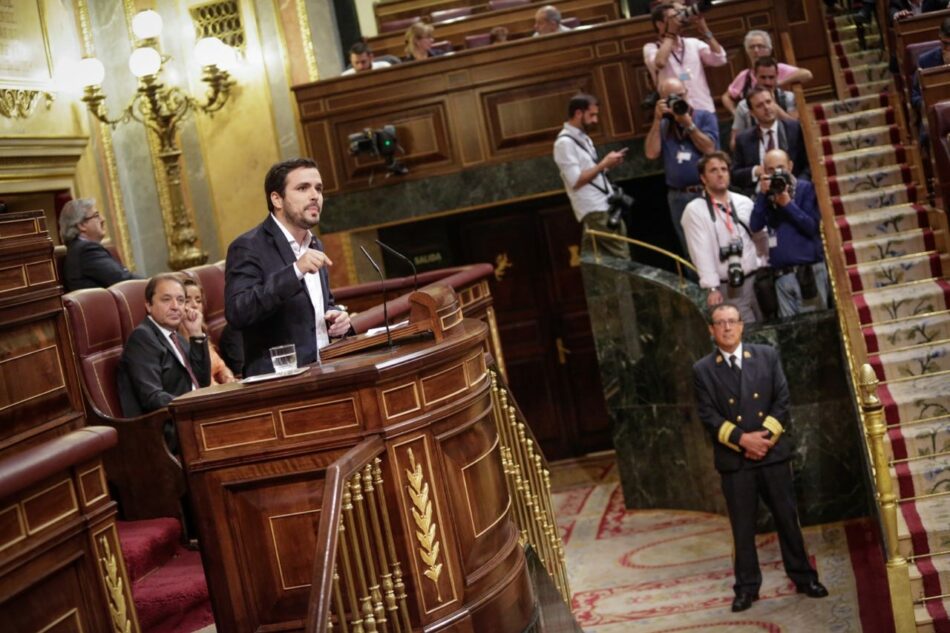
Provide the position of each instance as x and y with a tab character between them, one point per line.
110	574
16	103
422	515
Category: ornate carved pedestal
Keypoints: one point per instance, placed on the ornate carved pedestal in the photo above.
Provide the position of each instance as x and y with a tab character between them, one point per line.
256	457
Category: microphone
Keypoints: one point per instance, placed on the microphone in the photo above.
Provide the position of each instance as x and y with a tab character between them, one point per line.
393	251
382	283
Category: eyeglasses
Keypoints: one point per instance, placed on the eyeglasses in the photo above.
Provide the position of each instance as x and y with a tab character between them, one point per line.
725	322
94	216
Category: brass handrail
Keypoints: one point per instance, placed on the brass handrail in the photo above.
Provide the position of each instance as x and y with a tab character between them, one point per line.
680	262
863	380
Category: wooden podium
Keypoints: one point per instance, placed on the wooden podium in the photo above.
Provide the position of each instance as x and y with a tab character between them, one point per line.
256	457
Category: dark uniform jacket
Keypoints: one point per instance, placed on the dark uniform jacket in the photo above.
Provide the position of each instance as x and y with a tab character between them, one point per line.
746	156
761	402
265	300
150	375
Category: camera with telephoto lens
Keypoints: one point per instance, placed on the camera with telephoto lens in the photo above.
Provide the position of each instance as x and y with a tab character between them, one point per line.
778	182
677	104
732	255
694	9
619	202
381	142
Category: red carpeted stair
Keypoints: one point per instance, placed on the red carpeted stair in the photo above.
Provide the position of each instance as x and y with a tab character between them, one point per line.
168	581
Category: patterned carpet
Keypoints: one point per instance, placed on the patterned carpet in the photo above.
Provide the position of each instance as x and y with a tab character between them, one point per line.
892	243
657	571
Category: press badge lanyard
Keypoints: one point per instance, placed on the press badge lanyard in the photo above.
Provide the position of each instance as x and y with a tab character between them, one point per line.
586	150
729	218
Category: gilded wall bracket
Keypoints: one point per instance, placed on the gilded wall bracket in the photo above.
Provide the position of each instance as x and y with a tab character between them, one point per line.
19	103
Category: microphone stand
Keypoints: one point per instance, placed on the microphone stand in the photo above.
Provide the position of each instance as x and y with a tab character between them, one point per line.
393	251
382	284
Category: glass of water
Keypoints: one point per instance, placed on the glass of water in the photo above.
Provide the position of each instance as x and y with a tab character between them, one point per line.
284	358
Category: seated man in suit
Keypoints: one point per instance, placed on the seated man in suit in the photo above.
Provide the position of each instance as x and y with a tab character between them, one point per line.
770	132
937	56
88	264
362	59
277	290
157	364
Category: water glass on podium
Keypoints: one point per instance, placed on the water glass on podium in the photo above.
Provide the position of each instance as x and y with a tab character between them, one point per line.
284	358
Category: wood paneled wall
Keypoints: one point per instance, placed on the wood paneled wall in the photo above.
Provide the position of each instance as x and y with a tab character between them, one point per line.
507	102
518	20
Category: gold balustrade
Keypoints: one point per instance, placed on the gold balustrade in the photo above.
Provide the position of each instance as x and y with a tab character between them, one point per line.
679	261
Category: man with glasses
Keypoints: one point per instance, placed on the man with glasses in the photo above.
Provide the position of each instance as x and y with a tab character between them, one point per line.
88	264
742	400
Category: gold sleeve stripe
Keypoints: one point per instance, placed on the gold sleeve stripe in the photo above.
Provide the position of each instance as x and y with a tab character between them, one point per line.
773	425
724	432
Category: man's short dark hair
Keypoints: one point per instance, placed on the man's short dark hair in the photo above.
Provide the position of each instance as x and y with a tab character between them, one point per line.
157	279
359	48
945	28
658	14
764	62
757	90
724	157
276	178
722	306
581	101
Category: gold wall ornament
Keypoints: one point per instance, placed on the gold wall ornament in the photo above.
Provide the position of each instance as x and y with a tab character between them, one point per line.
114	585
418	490
19	103
221	20
502	264
574	255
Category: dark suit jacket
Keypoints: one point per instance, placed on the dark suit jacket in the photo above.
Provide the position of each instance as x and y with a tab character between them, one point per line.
89	265
927	6
746	155
265	300
150	375
727	414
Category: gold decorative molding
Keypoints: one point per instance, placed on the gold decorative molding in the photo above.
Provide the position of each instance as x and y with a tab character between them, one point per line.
220	19
112	577
502	264
307	40
20	103
418	490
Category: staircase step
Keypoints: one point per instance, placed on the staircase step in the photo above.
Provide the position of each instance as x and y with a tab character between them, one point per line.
894	271
924	476
923	526
864	57
877	199
175	596
870	88
903	301
931	614
917	361
907	332
147	545
829	109
889	246
876	71
853	45
918	399
929	576
861	139
882	223
864	159
870	179
851	122
911	441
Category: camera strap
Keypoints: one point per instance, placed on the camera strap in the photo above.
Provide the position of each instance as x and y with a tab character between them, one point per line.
608	185
732	214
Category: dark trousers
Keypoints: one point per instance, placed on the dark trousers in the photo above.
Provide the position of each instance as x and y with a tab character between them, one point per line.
742	490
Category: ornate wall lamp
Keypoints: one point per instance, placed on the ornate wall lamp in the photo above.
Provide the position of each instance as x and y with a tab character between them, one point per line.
161	108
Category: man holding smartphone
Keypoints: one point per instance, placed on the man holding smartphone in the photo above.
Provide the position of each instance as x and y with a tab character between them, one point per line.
585	175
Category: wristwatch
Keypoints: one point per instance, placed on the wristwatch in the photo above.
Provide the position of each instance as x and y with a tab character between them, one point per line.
691	128
708	35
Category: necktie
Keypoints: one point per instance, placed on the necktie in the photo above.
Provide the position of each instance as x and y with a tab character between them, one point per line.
770	143
735	366
184	360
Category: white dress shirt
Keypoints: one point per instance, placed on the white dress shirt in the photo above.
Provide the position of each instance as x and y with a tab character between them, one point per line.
571	159
704	237
314	287
168	336
737	353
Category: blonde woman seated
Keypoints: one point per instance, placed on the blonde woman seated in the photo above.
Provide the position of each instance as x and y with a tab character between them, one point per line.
419	39
195	300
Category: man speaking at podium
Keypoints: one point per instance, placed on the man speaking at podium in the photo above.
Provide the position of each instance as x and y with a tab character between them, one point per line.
277	290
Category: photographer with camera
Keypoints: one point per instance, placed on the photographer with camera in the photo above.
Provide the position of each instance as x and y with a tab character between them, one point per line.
598	204
722	245
788	208
684	58
681	135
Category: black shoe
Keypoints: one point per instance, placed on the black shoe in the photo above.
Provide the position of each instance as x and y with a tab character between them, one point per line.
743	601
813	589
